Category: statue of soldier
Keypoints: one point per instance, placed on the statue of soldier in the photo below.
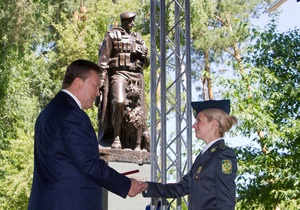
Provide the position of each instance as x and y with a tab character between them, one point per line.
123	56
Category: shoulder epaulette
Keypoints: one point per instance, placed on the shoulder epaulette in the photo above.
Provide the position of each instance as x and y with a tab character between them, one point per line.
221	146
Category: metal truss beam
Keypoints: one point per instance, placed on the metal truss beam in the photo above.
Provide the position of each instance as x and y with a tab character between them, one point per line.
171	123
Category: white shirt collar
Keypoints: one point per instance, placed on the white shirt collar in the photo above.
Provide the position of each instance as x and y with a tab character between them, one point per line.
209	144
74	97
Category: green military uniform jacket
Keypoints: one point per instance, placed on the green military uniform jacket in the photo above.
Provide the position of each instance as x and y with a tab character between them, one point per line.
210	183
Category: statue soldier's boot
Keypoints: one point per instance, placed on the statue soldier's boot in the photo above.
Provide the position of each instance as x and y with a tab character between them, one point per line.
117	124
117	142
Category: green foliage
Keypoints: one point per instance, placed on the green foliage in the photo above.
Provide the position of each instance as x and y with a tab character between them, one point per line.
18	112
218	25
267	96
218	31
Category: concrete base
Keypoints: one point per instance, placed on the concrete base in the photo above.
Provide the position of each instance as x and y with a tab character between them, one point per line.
114	202
124	155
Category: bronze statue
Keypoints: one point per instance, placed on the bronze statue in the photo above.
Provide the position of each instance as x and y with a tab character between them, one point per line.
123	56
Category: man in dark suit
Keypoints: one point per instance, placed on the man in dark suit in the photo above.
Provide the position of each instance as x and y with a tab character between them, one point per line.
68	171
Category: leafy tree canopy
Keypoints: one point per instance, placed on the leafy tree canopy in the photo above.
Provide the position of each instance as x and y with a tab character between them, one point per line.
267	96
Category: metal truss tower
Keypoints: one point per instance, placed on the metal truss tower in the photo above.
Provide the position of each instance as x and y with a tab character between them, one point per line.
171	115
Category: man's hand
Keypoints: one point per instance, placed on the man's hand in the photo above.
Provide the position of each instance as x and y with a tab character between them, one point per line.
143	186
135	188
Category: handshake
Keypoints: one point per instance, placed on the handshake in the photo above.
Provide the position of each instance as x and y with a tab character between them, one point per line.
137	187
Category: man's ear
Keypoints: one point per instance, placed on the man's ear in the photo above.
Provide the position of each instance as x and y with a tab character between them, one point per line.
78	83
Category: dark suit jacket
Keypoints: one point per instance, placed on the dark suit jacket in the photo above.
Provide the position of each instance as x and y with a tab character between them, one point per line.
68	172
210	182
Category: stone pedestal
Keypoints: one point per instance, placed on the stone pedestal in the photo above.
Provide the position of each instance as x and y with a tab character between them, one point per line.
123	160
125	155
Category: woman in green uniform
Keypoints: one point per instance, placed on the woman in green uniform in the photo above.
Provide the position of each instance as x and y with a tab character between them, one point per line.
211	181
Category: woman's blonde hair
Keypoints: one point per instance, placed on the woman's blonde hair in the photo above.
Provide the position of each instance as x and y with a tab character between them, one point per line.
225	121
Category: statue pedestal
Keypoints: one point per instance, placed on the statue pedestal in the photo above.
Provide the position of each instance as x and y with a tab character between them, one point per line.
123	160
124	155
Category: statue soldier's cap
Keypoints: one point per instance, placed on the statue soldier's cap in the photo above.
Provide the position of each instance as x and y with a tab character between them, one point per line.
199	106
127	15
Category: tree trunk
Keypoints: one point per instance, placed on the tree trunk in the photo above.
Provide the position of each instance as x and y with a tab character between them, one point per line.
207	86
